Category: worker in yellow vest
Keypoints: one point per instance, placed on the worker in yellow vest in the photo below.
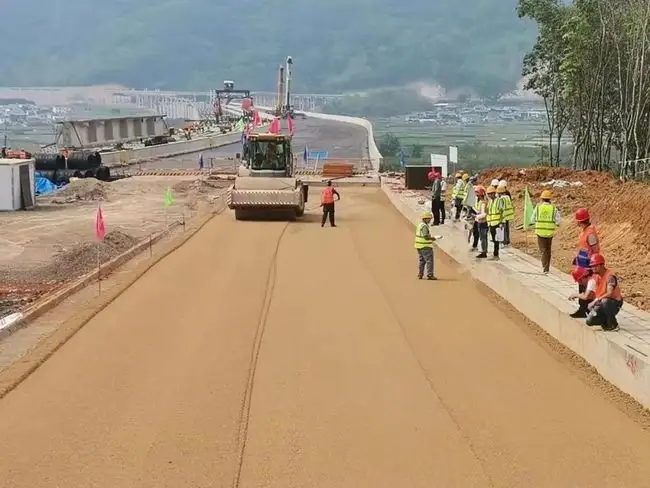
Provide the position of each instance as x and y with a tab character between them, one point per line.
495	220
508	211
424	246
546	219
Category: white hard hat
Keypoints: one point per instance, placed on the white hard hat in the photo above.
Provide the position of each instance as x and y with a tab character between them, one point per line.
503	183
494	183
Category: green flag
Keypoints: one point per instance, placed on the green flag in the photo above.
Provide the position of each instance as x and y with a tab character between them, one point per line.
240	125
528	210
169	198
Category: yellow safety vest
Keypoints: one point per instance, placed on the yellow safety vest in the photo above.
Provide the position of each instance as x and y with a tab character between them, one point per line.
420	241
462	193
508	209
545	220
454	192
477	206
494	213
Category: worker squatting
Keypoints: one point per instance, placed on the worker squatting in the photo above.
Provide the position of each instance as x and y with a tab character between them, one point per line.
490	218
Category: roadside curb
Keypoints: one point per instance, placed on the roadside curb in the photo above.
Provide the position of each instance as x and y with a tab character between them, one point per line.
616	357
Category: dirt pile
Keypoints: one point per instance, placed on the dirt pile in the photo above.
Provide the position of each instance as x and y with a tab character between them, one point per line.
199	186
85	189
619	211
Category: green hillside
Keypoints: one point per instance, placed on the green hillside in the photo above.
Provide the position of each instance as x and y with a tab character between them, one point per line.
336	45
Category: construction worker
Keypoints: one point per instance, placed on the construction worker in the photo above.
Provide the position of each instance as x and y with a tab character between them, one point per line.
424	245
443	200
494	219
327	202
436	197
586	289
482	222
588	245
546	219
508	211
473	212
608	297
454	194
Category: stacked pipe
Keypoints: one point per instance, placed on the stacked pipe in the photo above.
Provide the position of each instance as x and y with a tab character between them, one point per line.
80	164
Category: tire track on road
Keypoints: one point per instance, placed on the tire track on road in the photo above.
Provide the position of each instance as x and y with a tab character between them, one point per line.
386	296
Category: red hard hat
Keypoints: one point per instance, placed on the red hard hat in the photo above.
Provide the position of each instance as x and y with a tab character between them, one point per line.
579	273
582	215
596	259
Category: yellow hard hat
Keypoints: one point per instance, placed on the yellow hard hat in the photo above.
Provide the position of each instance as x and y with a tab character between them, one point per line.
458	175
427	215
546	195
491	189
465	177
501	189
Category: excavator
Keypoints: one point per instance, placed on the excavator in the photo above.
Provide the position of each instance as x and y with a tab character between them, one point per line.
265	180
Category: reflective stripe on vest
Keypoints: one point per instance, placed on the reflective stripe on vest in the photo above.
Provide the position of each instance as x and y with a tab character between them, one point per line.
327	196
545	220
508	209
601	287
420	241
493	213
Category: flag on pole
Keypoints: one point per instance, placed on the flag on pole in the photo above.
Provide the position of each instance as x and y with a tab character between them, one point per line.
402	161
257	120
100	227
305	154
528	210
240	125
169	198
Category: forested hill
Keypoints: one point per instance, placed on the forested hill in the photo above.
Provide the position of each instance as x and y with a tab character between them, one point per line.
336	45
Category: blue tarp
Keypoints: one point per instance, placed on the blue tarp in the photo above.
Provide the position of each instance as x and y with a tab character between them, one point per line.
43	185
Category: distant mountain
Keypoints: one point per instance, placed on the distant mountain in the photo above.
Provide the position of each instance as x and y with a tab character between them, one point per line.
336	45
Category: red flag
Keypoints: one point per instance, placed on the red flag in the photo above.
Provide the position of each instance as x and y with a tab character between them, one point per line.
274	128
100	228
290	124
248	129
257	120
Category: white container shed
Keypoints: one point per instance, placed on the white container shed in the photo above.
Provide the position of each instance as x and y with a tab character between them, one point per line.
17	189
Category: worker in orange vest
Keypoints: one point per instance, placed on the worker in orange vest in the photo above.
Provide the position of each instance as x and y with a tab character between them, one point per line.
588	245
327	202
608	297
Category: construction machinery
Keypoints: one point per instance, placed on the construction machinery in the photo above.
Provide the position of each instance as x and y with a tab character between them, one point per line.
265	181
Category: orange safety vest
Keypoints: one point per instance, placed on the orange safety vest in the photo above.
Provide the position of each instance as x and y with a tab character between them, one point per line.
584	249
601	287
327	196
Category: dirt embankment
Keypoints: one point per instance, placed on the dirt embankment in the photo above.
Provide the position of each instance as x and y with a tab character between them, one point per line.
619	211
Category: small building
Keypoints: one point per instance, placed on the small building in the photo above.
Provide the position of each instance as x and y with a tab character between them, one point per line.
88	133
17	189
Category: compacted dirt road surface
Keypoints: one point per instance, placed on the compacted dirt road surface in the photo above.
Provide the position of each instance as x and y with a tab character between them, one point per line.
265	354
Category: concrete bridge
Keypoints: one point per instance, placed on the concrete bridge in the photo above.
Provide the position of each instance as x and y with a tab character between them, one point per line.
196	105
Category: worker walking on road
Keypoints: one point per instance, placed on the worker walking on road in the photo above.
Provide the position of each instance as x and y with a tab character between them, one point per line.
424	245
546	219
327	202
588	245
608	297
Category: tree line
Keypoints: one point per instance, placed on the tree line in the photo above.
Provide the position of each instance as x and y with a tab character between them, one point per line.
591	66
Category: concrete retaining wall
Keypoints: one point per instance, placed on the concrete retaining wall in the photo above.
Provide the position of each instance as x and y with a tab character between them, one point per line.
622	358
131	156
